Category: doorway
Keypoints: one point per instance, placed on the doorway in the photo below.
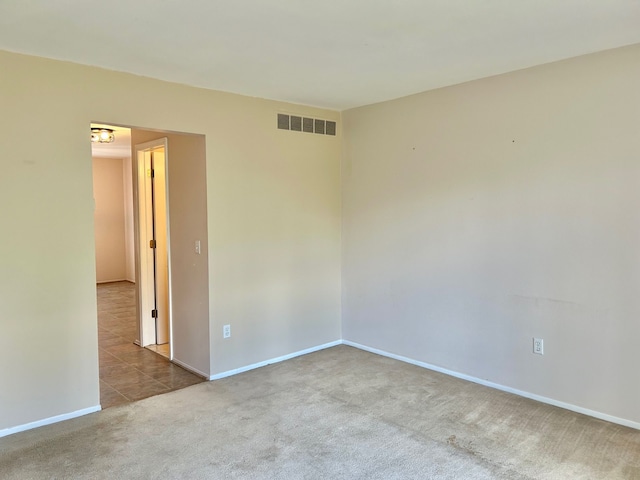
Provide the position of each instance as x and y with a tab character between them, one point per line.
129	372
153	246
176	259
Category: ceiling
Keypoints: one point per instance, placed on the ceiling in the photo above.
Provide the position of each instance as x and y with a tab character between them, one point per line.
336	54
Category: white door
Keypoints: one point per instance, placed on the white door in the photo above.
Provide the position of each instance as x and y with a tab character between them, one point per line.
155	313
158	157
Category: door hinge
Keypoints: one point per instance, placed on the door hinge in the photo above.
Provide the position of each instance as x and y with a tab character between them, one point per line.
153	172
152	244
154	313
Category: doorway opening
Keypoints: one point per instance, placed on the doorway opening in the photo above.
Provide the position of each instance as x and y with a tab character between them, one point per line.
128	371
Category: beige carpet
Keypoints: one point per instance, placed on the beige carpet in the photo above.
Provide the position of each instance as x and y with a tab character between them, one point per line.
336	414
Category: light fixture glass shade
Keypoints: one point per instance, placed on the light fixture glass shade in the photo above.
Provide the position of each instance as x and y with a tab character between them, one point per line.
102	135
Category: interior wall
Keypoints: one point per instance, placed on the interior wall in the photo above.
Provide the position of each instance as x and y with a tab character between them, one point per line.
129	237
479	216
187	216
109	219
273	215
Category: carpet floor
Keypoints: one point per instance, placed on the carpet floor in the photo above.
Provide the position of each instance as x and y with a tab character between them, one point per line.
340	413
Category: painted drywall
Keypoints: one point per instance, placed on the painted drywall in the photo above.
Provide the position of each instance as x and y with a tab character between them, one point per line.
273	216
129	245
187	215
275	231
109	219
479	216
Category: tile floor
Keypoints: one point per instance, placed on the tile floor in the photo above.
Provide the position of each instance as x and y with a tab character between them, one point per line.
127	371
160	349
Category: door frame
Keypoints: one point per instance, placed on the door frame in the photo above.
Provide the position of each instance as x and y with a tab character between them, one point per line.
144	254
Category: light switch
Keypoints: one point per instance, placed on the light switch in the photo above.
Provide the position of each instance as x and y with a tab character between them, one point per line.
198	247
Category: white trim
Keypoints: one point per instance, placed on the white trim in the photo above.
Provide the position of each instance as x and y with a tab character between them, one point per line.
497	386
113	281
49	421
229	373
186	366
469	378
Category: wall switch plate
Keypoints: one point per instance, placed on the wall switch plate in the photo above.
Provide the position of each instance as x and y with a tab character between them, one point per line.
538	346
226	331
197	247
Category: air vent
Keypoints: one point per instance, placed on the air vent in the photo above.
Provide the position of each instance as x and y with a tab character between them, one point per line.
305	124
296	123
283	121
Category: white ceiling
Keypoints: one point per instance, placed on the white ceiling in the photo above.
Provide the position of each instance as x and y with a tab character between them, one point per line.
330	53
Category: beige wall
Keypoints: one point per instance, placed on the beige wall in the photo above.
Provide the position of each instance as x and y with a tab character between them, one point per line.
273	214
276	229
475	217
129	237
187	197
481	215
109	215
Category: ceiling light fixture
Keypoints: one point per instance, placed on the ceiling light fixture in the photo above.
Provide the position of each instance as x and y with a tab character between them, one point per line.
102	135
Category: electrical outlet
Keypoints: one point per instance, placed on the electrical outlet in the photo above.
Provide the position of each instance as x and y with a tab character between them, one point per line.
538	346
226	331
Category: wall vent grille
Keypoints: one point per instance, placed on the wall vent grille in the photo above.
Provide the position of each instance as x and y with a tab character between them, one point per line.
297	123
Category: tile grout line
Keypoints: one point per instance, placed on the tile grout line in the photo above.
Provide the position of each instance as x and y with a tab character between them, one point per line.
137	370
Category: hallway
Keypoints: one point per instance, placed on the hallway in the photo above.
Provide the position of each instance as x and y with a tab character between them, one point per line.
127	371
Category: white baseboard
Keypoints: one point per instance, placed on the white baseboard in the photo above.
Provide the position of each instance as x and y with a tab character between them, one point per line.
532	396
193	370
49	421
229	373
112	281
521	393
